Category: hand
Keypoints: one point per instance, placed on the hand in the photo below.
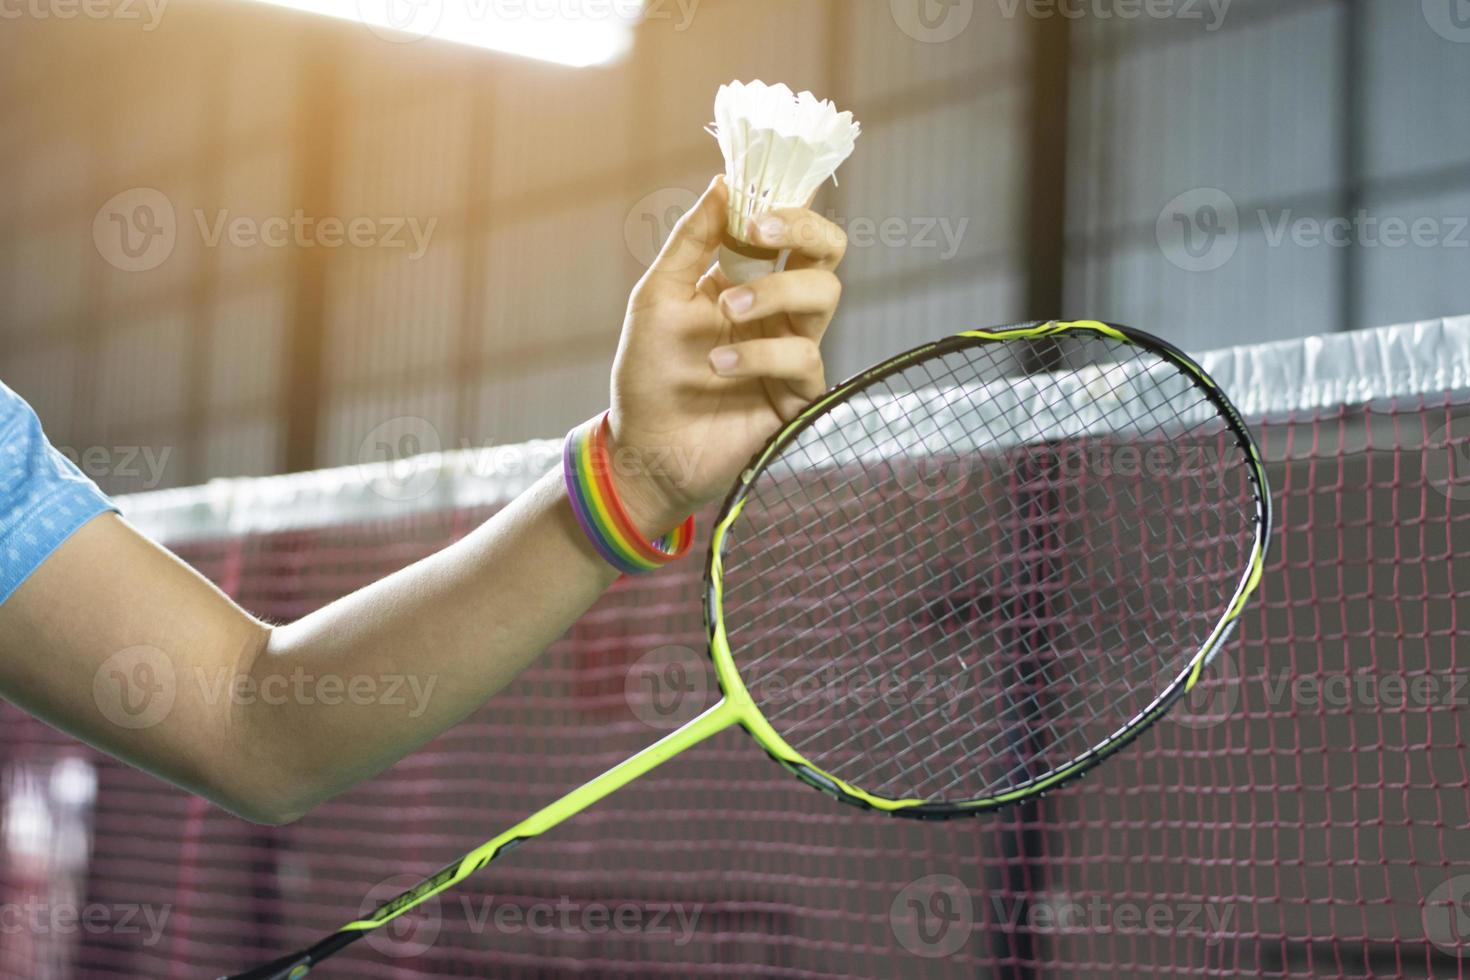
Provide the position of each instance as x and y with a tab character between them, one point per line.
706	373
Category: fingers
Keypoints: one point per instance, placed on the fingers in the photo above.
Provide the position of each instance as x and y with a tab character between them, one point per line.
795	360
690	248
808	296
714	283
815	242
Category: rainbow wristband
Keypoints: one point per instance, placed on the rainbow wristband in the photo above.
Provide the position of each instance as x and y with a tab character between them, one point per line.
588	473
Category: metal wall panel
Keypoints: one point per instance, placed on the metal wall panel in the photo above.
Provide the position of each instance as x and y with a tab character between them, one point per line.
1189	148
390	315
590	143
1417	68
551	189
1408	281
887	322
681	64
246	344
905	52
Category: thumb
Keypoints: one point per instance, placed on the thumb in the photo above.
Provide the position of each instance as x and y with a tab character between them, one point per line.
691	246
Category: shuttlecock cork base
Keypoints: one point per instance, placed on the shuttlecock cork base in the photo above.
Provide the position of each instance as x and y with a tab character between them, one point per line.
779	148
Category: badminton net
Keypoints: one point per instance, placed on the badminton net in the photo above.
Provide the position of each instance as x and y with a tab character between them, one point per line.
1306	813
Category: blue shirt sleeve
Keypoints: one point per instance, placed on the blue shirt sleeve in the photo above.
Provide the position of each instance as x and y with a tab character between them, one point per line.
44	498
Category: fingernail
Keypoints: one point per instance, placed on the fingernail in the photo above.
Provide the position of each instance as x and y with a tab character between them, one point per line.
723	359
738	301
772	229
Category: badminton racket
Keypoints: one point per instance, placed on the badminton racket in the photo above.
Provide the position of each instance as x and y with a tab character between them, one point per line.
960	579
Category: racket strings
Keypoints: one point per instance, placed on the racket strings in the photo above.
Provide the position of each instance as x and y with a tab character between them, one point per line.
1026	681
815	543
837	588
1042	666
826	581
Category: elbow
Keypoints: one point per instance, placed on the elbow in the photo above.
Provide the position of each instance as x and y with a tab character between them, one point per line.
263	804
267	786
263	812
254	767
260	780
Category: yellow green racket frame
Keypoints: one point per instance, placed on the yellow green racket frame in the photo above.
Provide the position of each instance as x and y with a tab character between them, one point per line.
738	708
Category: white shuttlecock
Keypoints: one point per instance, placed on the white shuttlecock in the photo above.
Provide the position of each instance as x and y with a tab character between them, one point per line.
779	148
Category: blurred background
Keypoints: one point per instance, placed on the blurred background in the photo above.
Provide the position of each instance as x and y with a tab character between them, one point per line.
243	240
172	292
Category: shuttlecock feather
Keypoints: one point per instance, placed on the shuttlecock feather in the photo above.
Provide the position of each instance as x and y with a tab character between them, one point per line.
779	148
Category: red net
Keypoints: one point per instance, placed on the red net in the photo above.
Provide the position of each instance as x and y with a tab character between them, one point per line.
1305	815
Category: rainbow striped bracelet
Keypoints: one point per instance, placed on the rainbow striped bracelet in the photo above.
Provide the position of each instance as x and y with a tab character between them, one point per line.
588	473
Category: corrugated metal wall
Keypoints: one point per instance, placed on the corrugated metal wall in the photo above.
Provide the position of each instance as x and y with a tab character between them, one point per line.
1209	156
543	191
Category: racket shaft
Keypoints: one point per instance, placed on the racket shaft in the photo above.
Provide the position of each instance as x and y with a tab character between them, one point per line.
711	722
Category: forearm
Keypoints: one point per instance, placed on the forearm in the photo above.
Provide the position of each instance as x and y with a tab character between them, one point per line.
118	642
115	640
409	656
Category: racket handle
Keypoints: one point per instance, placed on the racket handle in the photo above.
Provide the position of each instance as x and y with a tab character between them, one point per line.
298	965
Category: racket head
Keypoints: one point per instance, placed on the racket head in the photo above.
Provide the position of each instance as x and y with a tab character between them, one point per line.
920	598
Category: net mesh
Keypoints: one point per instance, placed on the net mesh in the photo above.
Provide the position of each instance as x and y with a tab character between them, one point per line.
1306	813
936	592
